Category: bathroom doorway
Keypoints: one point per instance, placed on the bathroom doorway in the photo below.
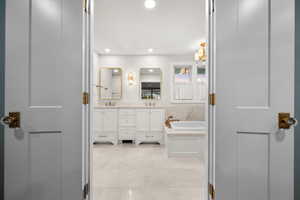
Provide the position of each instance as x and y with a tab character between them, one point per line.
149	100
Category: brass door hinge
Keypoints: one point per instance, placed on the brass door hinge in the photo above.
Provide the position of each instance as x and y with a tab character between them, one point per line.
86	98
212	5
212	99
211	191
86	6
86	190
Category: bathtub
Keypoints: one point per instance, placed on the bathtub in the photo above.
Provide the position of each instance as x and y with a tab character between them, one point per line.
188	126
186	139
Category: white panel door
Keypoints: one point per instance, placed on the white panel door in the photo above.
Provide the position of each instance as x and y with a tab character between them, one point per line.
254	66
43	158
143	120
98	123
156	120
110	120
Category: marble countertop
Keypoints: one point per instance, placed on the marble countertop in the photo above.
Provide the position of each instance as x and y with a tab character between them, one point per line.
130	107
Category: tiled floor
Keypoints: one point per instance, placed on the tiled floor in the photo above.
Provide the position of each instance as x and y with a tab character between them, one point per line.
144	172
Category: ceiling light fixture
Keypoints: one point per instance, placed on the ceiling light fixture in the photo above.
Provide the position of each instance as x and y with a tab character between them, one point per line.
150	50
116	70
107	50
150	70
150	4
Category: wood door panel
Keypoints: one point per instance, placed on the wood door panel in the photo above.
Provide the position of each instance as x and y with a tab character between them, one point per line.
45	37
43	159
254	65
156	120
253	161
110	120
143	120
254	37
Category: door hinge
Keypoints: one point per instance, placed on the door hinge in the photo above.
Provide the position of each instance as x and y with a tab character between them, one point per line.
86	98
211	191
212	9
86	190
86	6
212	99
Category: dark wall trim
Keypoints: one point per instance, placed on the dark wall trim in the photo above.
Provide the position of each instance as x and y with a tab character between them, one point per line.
2	63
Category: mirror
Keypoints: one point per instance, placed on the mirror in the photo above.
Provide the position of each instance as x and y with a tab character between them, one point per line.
150	83
110	83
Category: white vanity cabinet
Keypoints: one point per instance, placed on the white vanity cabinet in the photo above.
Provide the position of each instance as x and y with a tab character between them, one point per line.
106	125
139	125
149	125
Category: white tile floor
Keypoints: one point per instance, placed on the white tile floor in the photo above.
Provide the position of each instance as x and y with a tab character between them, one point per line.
144	172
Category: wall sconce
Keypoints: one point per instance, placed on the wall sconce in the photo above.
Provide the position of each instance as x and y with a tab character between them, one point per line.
200	54
130	78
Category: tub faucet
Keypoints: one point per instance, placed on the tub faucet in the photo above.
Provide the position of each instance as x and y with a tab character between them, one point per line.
169	120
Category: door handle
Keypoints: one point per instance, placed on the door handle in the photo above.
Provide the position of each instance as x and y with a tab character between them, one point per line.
285	121
13	120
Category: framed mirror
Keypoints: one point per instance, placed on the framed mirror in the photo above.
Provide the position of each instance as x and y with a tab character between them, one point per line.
150	83
110	83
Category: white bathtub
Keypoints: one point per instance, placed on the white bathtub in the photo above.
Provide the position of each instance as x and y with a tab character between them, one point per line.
186	139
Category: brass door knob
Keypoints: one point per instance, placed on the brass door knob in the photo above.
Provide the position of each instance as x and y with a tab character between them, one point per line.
285	121
12	120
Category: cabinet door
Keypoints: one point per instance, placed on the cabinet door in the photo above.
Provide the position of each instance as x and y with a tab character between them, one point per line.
143	120
110	120
98	122
157	120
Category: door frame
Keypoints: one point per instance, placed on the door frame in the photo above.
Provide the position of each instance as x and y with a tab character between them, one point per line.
2	91
88	85
88	45
211	90
297	106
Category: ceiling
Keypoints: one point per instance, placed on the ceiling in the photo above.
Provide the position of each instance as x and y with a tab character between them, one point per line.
126	27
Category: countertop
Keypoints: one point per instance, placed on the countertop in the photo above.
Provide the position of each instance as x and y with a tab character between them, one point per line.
130	107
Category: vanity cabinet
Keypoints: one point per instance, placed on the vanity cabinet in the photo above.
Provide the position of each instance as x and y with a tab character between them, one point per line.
106	125
127	124
139	125
149	125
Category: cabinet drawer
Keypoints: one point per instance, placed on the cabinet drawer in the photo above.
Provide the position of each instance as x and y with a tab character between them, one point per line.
127	113
127	131
127	121
153	137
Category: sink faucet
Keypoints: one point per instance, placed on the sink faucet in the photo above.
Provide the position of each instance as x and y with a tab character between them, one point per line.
169	120
109	103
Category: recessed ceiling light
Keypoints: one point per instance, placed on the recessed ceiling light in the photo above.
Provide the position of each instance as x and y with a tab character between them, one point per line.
150	70
150	50
107	50
150	4
116	70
